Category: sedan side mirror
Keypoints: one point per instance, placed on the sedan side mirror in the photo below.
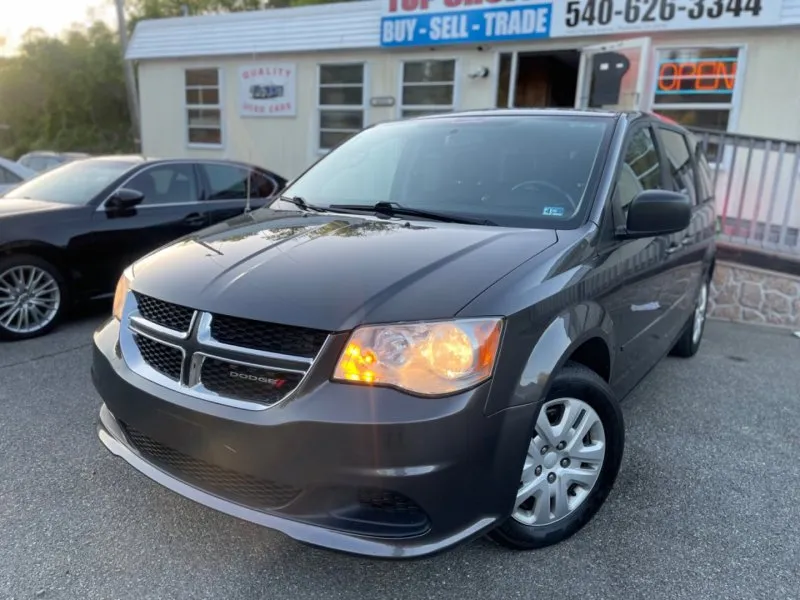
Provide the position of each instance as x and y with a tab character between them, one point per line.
124	199
657	212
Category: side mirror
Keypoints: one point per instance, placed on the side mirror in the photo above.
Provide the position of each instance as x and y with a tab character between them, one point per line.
657	212
124	199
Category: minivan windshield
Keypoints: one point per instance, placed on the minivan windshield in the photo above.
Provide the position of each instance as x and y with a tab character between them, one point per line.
72	183
513	171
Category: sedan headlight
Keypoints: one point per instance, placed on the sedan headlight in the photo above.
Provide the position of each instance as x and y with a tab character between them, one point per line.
426	359
123	287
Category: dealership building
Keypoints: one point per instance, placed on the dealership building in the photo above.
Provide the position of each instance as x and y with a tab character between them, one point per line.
280	87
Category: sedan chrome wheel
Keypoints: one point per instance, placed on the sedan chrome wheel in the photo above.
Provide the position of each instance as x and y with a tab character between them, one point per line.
700	313
563	462
29	299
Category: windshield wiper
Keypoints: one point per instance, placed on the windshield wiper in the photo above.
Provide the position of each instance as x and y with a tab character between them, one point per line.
394	209
301	203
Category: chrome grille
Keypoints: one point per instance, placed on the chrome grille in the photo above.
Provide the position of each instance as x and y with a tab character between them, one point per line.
165	359
166	314
213	357
267	337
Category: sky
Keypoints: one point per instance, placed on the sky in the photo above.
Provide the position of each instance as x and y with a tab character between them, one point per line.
17	16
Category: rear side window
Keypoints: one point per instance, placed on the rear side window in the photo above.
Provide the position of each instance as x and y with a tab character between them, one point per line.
705	177
640	170
261	186
230	182
37	163
680	163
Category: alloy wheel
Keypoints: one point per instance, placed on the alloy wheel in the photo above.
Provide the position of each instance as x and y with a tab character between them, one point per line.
563	463
700	313
30	299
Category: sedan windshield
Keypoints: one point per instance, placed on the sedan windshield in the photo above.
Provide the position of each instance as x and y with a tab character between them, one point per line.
73	183
513	171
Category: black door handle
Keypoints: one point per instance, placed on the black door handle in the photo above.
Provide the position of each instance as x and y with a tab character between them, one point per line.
194	219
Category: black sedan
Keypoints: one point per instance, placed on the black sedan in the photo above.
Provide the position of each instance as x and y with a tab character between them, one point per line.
425	338
66	235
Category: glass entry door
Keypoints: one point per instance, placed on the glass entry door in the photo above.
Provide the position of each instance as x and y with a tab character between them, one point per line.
613	76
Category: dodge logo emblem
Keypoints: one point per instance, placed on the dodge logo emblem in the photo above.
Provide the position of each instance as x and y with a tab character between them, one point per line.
248	377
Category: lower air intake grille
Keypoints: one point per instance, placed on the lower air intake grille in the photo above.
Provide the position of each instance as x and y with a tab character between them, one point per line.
164	359
237	487
387	501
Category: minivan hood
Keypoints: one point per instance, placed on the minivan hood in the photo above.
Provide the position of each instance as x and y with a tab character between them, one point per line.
334	272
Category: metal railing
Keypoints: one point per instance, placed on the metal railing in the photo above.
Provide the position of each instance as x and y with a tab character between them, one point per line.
757	184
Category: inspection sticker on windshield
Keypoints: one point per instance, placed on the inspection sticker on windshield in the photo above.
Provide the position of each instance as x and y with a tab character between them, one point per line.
553	211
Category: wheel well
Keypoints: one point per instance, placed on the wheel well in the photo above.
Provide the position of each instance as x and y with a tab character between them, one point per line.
51	255
594	354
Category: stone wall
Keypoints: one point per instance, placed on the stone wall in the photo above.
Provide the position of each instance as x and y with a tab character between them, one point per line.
752	295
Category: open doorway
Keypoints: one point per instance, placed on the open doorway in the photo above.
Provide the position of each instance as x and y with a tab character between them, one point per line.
610	76
538	79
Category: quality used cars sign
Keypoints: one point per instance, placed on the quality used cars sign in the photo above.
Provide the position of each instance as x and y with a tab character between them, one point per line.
435	22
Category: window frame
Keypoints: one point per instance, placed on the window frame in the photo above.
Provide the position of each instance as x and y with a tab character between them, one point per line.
220	106
366	87
400	107
734	106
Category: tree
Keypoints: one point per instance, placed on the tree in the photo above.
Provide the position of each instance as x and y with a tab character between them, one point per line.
65	94
138	10
155	9
68	92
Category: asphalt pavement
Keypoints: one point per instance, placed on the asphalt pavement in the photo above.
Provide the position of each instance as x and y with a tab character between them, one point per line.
705	507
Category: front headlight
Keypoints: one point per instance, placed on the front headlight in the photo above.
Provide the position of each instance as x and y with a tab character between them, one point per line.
427	359
123	287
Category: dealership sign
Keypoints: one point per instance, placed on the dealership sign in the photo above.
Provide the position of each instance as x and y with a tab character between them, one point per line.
268	90
434	22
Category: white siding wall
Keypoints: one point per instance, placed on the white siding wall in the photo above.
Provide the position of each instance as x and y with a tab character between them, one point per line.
769	104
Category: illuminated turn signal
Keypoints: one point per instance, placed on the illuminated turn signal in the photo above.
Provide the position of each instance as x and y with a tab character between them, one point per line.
427	359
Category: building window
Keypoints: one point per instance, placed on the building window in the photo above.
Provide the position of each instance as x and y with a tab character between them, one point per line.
203	110
696	87
428	87
341	103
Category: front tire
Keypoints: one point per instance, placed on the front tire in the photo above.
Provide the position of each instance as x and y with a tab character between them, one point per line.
571	464
33	297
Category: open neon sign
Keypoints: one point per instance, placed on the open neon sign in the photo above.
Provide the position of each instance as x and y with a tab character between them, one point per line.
704	76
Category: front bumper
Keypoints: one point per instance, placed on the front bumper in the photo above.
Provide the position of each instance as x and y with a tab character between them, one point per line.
368	471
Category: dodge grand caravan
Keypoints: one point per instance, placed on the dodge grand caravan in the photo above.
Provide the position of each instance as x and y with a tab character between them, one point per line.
425	338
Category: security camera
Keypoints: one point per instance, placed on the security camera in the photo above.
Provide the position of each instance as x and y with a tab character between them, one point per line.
480	73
